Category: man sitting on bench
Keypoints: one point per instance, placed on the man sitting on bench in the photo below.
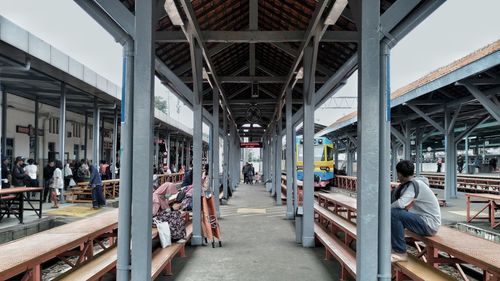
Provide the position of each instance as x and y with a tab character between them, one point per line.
414	207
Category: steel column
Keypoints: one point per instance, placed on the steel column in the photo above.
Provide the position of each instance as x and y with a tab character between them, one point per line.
169	153
384	212
183	148
143	107
188	154
450	173
115	144
289	156
62	130
3	130
418	151
96	135
368	150
309	66
177	154
336	155
225	167
407	142
37	113
277	175
294	171
197	68
85	136
394	158
215	149
126	160
350	159
466	155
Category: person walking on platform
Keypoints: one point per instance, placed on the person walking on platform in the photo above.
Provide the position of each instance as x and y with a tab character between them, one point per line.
48	172
57	184
6	176
98	199
414	207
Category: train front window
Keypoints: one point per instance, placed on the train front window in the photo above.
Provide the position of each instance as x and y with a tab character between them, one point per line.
329	153
319	153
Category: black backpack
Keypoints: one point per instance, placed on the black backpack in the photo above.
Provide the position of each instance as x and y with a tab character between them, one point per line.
396	193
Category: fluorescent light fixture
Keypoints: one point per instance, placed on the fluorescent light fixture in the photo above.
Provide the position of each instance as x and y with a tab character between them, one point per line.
335	12
173	13
300	74
246	130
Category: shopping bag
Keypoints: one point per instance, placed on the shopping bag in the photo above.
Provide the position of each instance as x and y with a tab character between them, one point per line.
163	233
72	182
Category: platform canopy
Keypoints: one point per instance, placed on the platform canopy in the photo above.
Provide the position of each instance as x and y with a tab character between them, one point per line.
253	52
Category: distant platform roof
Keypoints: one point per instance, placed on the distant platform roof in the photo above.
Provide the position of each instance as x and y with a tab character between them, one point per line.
441	88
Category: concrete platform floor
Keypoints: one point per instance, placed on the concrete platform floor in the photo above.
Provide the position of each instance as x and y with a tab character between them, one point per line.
258	244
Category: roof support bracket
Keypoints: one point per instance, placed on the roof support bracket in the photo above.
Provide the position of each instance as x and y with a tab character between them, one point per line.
426	118
488	104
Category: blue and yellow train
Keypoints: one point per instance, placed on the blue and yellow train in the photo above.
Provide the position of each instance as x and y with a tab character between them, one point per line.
323	160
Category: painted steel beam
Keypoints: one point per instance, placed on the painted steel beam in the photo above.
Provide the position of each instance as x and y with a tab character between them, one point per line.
426	118
253	36
256	79
195	30
469	130
488	104
394	20
125	19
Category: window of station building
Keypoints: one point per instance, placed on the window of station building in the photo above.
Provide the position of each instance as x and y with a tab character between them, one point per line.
54	125
77	130
90	132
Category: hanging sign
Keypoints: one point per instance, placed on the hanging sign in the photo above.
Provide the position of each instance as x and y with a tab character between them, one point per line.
252	144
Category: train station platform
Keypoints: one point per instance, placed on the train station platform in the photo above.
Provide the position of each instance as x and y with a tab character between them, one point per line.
259	244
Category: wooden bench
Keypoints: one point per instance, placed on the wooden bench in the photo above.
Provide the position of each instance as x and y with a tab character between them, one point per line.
336	223
462	248
333	248
491	203
414	269
104	262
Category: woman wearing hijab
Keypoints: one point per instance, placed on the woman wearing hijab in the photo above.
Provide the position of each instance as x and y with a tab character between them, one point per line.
57	185
161	196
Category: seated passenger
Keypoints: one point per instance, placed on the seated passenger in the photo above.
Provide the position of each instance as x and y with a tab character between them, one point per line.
161	196
414	207
188	178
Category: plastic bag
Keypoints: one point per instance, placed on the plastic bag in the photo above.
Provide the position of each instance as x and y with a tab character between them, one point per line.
72	182
163	233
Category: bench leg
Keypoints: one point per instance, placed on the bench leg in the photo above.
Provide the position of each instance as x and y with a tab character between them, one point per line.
328	255
344	274
400	276
182	251
168	269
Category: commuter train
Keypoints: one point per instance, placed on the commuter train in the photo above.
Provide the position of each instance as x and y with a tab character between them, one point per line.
323	160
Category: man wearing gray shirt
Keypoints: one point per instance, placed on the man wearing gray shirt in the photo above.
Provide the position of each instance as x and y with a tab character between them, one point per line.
414	207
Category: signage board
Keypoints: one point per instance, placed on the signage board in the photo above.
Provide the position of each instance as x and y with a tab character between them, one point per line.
252	144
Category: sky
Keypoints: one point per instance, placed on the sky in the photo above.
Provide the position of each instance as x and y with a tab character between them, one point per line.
454	30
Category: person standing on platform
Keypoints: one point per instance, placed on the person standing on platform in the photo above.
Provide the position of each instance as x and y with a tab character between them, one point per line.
439	164
57	184
98	199
68	175
48	172
32	171
493	164
19	176
6	176
414	207
460	163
